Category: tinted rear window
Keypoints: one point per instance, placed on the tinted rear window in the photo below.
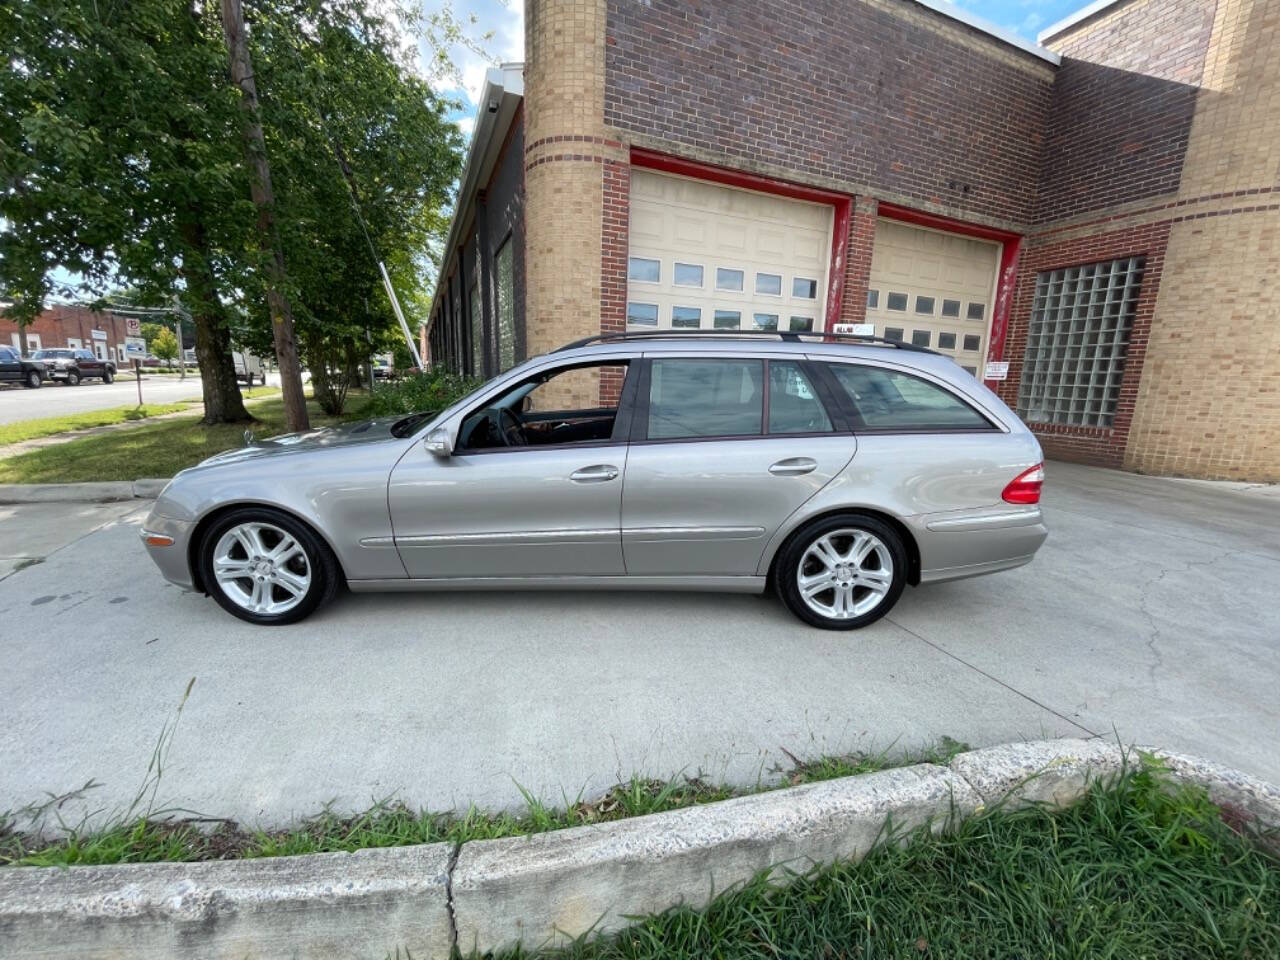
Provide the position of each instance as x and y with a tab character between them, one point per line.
889	400
705	398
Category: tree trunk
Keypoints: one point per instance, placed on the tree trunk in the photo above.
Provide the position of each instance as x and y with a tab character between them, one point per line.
222	400
281	311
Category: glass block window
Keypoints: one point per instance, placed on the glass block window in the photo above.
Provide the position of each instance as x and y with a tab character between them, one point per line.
897	301
477	332
505	267
686	317
924	305
727	319
727	279
803	288
642	314
873	299
643	270
769	284
951	308
1077	341
688	275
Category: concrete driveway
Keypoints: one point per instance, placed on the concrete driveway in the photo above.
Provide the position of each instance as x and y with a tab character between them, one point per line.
1150	615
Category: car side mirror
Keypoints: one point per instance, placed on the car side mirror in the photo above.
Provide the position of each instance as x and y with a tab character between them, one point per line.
438	442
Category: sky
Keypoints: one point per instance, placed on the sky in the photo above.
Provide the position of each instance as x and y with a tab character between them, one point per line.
1024	17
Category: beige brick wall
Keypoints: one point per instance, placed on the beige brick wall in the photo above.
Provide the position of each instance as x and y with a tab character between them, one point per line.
565	145
1209	399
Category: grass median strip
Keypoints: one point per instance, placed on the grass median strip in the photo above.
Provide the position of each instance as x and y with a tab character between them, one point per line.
159	837
1136	869
49	426
158	449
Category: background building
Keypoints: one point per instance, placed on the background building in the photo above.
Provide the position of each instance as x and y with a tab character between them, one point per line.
1099	212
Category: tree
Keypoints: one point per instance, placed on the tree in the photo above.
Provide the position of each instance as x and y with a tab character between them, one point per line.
118	143
281	311
165	345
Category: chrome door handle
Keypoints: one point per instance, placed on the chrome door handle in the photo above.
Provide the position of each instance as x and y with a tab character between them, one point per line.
599	473
793	467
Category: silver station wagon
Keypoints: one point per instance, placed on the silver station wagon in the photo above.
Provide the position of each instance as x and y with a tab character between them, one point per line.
836	471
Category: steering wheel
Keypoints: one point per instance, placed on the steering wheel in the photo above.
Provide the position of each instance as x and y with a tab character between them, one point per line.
509	429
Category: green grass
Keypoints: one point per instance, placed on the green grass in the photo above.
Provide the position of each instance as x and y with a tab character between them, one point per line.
1135	870
48	426
153	450
141	835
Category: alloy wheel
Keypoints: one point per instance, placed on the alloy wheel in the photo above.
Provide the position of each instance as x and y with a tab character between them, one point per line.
261	568
845	573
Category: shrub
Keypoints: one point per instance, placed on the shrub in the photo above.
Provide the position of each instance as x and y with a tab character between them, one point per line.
433	390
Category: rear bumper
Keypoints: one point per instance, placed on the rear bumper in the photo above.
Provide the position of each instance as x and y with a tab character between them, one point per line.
171	559
970	543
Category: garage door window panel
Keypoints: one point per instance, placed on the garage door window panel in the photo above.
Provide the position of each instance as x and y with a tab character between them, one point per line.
729	280
644	270
642	314
728	319
887	401
802	288
769	284
688	275
897	302
697	399
765	321
686	318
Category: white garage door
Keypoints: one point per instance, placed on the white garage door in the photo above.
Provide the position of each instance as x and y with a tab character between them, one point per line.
709	257
933	289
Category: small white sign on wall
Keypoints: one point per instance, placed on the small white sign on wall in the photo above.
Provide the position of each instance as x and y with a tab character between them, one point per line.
996	370
98	334
855	329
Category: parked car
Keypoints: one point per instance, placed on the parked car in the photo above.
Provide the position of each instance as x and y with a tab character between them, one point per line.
71	366
151	360
382	369
14	368
248	367
836	472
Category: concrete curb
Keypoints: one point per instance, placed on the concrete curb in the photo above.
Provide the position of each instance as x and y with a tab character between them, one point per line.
104	492
543	889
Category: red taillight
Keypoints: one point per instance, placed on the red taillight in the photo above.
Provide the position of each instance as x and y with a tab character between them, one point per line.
1025	487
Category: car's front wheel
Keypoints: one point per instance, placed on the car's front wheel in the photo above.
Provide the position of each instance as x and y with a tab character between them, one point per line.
32	380
264	566
107	376
842	572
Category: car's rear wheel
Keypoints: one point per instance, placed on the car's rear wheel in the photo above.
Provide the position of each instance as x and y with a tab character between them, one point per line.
842	572
108	376
264	566
32	380
73	378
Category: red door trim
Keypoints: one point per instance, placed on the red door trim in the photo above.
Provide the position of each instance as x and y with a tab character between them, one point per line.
842	202
1006	277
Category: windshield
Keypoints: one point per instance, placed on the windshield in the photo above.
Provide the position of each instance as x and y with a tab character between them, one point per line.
51	354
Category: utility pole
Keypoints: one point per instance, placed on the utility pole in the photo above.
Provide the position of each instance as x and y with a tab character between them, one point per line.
295	404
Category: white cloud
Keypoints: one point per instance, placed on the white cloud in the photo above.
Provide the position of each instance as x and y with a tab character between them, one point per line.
505	20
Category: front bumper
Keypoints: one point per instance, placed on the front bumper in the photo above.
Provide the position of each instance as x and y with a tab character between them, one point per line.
173	558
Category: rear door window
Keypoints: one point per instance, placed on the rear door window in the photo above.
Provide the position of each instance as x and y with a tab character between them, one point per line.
794	406
705	398
888	400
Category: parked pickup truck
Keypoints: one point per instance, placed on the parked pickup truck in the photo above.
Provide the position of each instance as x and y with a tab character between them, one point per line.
18	369
71	366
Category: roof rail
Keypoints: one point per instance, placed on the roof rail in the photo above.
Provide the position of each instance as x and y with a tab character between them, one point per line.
788	336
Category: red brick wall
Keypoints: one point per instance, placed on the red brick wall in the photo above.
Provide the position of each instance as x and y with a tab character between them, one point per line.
904	101
616	223
1103	446
57	324
857	261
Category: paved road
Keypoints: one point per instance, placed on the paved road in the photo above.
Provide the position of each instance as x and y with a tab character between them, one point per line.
56	400
1150	615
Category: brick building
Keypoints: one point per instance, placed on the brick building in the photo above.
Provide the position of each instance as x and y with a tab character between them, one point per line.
101	331
1100	211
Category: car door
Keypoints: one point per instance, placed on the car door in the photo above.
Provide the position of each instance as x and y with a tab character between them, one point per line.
546	510
10	367
724	449
90	365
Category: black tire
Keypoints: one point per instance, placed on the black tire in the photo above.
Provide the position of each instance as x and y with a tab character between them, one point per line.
33	380
73	378
320	560
787	569
107	376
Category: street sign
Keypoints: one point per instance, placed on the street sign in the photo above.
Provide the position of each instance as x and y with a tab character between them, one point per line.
132	326
855	329
997	370
135	348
